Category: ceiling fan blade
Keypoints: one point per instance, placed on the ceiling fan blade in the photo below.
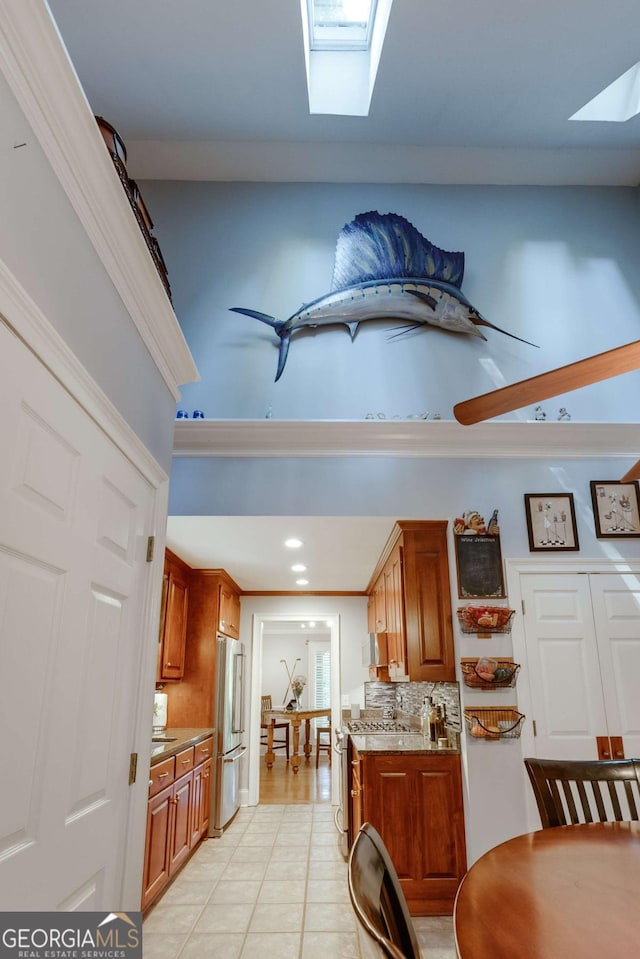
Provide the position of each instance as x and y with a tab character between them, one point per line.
632	474
622	359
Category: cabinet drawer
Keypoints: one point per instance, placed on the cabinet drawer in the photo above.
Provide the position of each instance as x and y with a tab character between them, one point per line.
203	750
185	761
161	775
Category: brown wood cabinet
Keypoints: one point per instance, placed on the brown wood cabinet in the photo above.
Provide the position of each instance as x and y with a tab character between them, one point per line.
415	803
173	625
177	814
229	620
413	574
191	702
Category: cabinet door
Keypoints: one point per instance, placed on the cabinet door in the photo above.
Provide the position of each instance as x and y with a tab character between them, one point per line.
205	797
427	603
415	803
229	613
156	860
196	807
180	840
395	612
380	607
175	630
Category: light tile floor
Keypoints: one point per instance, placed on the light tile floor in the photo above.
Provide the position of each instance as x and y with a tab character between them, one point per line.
274	886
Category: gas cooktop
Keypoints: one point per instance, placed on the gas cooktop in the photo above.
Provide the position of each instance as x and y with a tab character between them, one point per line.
377	726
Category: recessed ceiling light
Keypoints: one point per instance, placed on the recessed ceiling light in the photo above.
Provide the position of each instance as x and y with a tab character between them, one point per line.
293	543
298	568
302	582
303	625
311	624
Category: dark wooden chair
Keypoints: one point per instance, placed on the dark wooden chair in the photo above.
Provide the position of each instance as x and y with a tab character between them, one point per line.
575	791
378	899
265	722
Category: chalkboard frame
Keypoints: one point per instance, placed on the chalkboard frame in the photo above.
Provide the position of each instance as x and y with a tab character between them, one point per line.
470	576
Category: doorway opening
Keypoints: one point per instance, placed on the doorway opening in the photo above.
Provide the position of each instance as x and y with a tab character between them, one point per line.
313	659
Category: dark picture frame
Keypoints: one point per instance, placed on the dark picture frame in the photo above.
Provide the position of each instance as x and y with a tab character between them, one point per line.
551	522
616	509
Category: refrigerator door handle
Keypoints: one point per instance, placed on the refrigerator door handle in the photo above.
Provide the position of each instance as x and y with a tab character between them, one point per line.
237	755
238	693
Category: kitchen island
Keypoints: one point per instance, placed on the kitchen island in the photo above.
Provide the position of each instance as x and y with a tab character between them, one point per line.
411	792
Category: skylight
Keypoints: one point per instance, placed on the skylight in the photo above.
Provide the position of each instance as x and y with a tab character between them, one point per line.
617	103
342	46
340	24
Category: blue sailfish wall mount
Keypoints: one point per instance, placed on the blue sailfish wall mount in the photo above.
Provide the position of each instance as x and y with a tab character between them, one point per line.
385	269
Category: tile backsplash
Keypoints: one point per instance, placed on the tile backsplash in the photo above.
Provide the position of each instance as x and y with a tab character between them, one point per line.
409	697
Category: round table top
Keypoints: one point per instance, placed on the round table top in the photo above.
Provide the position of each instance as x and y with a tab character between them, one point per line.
570	891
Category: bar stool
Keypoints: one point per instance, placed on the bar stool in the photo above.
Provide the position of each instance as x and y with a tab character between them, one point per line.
322	745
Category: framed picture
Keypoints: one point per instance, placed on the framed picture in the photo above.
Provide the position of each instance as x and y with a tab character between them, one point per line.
616	509
551	521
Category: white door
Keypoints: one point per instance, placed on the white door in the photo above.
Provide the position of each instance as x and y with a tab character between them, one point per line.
616	607
582	634
74	514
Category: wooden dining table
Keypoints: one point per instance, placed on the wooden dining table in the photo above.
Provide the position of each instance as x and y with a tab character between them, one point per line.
571	892
296	717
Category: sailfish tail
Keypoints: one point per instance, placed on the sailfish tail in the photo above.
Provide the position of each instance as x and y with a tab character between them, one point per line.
277	325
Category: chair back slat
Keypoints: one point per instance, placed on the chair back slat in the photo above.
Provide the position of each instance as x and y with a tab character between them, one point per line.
573	791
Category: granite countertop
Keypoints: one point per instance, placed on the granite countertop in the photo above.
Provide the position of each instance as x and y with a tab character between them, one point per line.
397	743
181	738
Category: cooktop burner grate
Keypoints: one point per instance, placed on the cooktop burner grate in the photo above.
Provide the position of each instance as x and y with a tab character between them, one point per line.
377	726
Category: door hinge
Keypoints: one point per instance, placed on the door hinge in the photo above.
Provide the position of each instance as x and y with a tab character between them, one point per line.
133	768
535	731
522	601
151	542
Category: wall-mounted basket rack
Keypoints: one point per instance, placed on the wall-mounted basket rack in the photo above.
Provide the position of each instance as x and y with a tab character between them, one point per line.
504	676
493	723
485	620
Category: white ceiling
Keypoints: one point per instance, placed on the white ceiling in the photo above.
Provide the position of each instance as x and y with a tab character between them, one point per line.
340	552
467	91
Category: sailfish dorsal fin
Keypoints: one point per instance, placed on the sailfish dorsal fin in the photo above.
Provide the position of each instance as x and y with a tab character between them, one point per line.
376	246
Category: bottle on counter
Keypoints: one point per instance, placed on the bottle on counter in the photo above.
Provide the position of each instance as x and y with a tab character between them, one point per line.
424	716
436	721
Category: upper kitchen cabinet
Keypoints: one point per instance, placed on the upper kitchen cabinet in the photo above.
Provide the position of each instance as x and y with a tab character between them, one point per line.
214	600
229	618
173	618
413	572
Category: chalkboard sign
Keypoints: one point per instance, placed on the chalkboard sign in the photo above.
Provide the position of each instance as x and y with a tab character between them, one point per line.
479	562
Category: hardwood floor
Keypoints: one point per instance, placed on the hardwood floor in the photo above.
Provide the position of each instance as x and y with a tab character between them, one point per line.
280	785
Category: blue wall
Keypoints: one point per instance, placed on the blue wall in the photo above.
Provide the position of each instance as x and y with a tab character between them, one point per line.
557	266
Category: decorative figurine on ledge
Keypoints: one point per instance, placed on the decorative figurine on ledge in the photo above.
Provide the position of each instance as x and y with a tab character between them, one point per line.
472	524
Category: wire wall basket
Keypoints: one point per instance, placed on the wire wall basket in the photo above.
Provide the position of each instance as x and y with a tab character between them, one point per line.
493	723
501	675
485	619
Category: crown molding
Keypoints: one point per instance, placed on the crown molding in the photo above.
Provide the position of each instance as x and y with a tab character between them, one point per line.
401	438
41	76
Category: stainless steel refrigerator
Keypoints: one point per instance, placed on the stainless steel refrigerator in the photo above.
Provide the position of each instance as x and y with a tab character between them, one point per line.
229	724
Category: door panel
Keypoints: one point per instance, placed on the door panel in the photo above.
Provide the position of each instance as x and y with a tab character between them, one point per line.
74	515
563	666
616	606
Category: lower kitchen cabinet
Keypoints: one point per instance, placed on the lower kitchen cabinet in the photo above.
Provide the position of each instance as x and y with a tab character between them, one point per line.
177	815
415	803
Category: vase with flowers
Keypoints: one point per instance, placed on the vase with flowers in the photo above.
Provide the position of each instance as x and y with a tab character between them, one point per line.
297	687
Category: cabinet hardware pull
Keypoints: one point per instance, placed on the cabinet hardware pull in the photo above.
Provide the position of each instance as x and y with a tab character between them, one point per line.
355	792
606	754
185	762
162	775
169	664
151	782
